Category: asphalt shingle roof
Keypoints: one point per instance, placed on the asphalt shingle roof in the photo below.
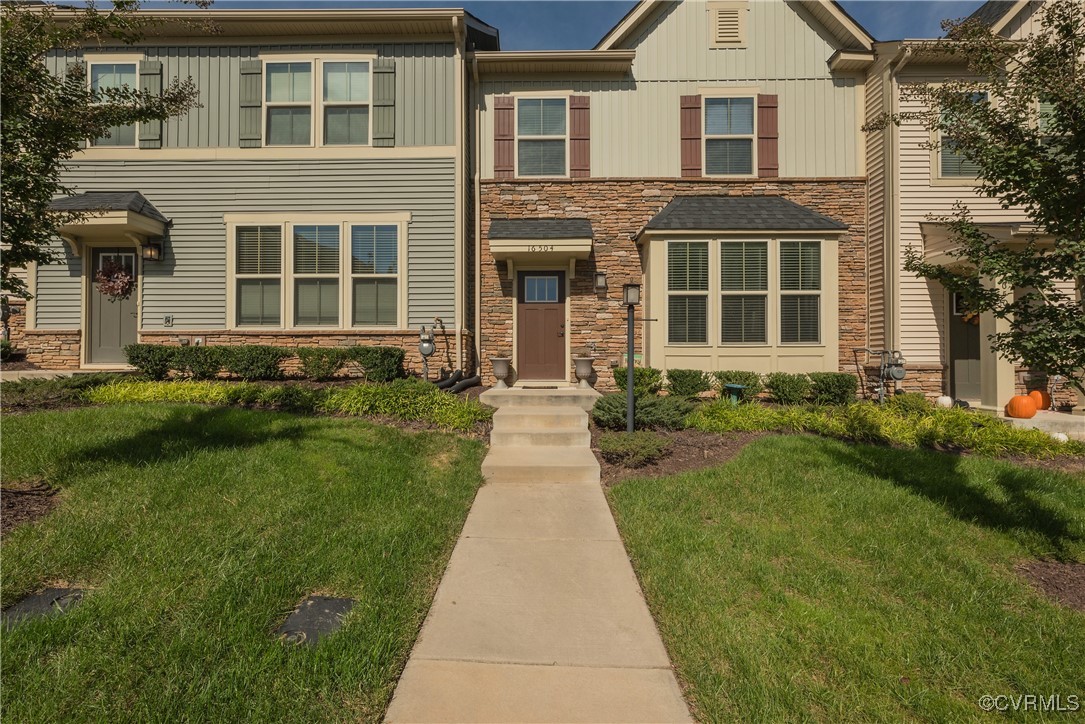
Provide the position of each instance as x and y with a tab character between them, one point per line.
109	201
540	229
740	213
992	11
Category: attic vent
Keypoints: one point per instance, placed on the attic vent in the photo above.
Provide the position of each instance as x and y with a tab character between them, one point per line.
727	24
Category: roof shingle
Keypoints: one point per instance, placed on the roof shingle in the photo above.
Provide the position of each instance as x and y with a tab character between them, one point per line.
740	213
540	229
109	201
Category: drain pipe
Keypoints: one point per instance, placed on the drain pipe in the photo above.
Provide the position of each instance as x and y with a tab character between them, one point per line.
476	160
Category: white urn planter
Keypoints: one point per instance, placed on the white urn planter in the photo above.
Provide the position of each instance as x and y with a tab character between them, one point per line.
501	367
583	371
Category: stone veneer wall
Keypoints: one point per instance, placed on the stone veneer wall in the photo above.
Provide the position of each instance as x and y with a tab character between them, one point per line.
618	209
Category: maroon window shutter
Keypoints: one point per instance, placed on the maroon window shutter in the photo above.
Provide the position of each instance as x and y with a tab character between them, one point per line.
691	135
504	136
579	136
768	136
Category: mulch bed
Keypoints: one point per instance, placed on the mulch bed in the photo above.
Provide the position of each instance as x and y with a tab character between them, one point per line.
18	363
690	450
1061	582
25	502
1073	464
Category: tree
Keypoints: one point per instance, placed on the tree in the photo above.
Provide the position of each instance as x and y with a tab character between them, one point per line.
1020	118
47	118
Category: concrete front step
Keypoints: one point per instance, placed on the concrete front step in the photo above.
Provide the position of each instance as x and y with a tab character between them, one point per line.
536	418
539	437
572	397
540	465
1072	425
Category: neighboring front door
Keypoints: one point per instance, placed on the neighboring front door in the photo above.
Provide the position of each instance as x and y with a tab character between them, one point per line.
964	351
540	326
111	325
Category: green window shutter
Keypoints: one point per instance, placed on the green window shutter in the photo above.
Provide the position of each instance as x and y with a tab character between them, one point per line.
251	96
150	81
384	102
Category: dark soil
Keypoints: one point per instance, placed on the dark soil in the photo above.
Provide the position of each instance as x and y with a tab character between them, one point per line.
17	363
24	503
1072	464
690	450
1061	582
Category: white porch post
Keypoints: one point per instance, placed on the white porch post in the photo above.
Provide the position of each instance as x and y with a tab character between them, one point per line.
998	381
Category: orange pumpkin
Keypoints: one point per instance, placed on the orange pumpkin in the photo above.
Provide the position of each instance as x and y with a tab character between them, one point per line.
1041	398
1021	406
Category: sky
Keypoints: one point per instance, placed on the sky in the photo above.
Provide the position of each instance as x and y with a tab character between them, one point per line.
577	24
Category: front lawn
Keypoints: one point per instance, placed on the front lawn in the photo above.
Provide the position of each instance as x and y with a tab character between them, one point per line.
813	579
195	532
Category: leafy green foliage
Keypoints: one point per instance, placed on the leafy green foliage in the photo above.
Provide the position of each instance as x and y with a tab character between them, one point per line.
788	389
688	383
58	392
380	364
321	363
633	450
751	381
199	363
1018	114
47	117
153	360
646	380
833	388
407	399
650	413
255	361
910	403
5	350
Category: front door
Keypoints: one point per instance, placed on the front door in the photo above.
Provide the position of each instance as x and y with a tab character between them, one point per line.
540	325
111	324
964	351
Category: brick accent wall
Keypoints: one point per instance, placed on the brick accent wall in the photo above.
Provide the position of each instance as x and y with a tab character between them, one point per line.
618	209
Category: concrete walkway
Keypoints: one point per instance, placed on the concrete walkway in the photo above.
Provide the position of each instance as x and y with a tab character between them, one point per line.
539	617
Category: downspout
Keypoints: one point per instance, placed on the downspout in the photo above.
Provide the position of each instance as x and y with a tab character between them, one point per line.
461	307
477	160
902	58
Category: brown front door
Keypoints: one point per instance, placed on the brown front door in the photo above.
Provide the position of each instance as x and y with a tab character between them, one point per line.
540	325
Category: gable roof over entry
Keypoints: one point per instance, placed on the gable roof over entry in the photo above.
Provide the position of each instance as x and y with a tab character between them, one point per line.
739	213
110	201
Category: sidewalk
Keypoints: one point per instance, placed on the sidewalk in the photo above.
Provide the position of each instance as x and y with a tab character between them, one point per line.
539	618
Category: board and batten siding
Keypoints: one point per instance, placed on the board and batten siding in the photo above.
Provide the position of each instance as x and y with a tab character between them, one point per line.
635	122
190	281
425	79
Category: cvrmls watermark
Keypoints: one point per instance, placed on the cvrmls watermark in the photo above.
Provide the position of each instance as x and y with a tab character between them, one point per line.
1030	702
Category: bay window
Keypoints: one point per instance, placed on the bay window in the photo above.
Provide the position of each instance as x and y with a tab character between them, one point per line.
744	285
687	292
800	292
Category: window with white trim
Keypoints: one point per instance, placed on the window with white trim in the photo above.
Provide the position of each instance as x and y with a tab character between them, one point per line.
744	286
687	292
374	260
327	106
542	136
316	276
729	136
105	76
800	292
952	163
258	272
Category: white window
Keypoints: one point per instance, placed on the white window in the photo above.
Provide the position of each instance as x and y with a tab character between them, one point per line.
729	136
800	292
952	162
258	272
744	285
326	106
104	76
542	131
374	270
316	276
687	292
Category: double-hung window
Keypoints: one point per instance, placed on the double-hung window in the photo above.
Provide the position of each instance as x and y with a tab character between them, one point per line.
951	160
744	285
800	292
687	292
323	102
105	76
374	271
728	136
258	272
542	136
316	276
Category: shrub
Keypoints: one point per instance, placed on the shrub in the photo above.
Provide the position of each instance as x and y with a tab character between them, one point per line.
153	360
633	451
292	398
833	388
646	380
750	380
688	383
199	363
724	417
200	392
321	363
254	361
5	350
380	364
910	403
407	399
660	413
62	391
788	389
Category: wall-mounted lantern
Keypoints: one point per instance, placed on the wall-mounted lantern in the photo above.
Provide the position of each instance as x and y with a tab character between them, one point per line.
600	281
151	250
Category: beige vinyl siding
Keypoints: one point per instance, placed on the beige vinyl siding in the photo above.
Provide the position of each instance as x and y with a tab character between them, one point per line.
1023	24
190	282
425	75
878	185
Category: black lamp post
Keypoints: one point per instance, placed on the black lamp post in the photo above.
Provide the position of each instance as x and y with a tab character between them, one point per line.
631	297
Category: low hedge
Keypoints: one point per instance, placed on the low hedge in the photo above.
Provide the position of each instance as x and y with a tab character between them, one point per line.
380	364
321	363
751	382
833	388
407	399
646	380
688	383
788	389
44	393
649	413
633	450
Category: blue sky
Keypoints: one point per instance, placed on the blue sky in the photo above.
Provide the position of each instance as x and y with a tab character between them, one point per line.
573	24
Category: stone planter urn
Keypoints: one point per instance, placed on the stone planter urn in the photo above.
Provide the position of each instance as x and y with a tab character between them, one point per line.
501	371
583	371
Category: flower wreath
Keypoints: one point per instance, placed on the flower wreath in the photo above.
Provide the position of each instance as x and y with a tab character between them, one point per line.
114	281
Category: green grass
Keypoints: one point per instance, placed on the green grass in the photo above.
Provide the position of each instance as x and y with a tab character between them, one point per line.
196	530
809	579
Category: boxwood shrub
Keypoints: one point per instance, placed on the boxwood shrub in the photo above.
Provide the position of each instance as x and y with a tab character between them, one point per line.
153	360
751	381
321	363
646	380
255	361
633	451
833	388
688	383
380	364
199	363
650	413
788	389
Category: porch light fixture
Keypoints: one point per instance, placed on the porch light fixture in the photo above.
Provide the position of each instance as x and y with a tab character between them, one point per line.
600	281
151	250
631	294
631	297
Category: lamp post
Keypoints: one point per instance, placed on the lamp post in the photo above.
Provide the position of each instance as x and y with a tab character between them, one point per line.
631	297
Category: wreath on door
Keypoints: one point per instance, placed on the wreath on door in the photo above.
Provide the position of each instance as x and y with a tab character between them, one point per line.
114	281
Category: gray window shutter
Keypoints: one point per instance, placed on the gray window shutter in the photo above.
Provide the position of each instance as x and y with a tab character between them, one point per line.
150	81
384	102
252	87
